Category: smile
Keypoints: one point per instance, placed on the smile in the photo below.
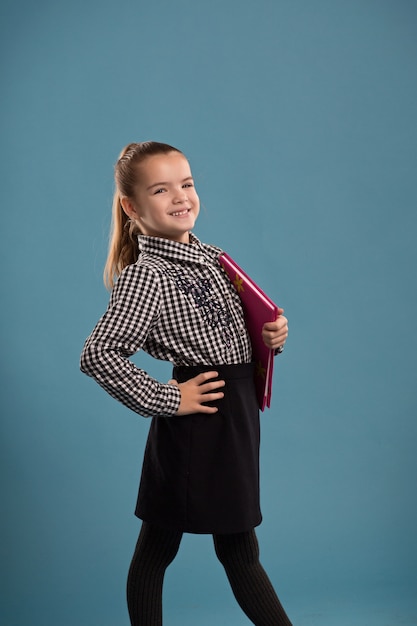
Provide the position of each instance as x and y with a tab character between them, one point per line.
180	213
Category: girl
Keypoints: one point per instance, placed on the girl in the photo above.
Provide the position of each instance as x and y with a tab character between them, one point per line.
201	466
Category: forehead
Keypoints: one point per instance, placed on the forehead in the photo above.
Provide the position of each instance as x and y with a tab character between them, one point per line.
164	168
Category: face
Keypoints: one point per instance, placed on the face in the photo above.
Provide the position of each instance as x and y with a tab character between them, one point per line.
166	203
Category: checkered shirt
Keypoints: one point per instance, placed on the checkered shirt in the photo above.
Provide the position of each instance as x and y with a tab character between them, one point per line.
178	305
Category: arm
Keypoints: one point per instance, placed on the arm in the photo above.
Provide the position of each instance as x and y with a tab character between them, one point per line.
121	332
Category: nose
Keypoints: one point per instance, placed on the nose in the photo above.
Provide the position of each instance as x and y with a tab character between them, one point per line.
180	195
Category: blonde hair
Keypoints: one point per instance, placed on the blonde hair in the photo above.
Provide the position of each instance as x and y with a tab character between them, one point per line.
123	245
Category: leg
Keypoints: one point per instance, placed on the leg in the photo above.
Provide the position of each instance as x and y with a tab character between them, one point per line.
155	550
239	554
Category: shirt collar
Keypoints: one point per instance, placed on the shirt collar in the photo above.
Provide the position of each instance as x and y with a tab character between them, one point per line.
194	251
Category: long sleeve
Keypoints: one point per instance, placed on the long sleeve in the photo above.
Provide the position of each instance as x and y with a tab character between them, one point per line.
133	310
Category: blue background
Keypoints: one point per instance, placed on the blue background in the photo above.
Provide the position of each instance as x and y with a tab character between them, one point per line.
299	119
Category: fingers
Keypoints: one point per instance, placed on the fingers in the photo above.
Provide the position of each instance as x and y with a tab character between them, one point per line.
205	383
280	323
204	408
275	333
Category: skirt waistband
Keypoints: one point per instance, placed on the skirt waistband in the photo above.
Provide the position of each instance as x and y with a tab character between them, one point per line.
182	373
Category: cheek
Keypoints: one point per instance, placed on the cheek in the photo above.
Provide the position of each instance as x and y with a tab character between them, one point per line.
196	200
149	210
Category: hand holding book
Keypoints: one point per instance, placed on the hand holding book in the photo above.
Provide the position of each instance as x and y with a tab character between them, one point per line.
275	333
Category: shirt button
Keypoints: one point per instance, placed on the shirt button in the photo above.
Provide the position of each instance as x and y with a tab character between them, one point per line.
202	259
242	331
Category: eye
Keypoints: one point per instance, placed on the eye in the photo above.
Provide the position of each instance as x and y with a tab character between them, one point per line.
160	190
188	185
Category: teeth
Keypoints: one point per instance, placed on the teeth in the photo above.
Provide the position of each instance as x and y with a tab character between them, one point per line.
178	213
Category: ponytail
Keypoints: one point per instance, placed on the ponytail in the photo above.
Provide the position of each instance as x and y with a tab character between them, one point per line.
123	244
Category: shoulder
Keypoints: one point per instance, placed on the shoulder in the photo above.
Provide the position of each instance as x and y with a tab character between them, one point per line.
137	272
136	281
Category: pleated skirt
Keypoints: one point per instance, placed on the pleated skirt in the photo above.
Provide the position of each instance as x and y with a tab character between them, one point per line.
200	472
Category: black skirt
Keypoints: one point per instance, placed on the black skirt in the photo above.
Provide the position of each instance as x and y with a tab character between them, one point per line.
201	472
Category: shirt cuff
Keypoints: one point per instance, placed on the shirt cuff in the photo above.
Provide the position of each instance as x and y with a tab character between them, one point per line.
173	399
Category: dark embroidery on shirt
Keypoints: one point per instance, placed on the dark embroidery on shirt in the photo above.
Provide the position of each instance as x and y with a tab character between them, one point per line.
200	289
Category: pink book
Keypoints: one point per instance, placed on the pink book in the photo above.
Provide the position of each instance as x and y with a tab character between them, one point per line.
258	309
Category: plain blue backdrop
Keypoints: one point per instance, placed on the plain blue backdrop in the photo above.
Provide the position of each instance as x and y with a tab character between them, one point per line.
299	119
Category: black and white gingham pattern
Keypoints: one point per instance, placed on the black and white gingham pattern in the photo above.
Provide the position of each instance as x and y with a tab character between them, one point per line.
177	304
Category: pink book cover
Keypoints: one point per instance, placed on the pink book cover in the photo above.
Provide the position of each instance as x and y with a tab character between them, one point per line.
258	309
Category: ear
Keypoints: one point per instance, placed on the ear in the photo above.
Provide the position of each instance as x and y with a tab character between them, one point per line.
129	208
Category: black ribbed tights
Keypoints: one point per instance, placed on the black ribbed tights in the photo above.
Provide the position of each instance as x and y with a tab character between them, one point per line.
239	554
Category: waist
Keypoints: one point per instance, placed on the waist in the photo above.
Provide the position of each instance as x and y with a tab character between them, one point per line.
182	373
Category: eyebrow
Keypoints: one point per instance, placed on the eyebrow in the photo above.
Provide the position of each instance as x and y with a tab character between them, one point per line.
166	183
